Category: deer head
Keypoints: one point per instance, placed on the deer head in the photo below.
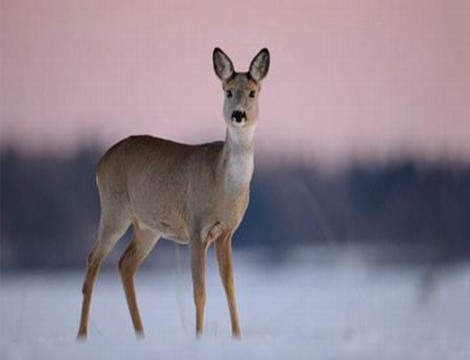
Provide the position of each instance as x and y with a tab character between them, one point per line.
241	89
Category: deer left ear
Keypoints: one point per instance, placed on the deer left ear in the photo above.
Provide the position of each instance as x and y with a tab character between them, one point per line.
259	66
223	66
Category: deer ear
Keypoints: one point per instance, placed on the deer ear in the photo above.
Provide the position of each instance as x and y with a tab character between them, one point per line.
222	64
260	65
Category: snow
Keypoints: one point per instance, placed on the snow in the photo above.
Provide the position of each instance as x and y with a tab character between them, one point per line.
317	307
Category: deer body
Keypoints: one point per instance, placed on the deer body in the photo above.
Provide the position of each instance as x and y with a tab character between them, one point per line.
191	194
174	206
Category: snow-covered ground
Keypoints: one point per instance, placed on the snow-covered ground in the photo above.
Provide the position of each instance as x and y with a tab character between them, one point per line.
332	307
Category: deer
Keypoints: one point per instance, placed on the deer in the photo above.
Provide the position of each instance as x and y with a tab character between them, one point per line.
190	194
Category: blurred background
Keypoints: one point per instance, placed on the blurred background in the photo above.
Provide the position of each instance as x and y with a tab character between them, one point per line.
363	144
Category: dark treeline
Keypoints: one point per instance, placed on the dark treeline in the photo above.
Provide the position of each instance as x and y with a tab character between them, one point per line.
50	208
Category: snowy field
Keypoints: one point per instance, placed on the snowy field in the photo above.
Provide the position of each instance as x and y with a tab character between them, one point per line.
317	307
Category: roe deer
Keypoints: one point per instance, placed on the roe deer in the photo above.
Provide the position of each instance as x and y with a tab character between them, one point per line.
191	194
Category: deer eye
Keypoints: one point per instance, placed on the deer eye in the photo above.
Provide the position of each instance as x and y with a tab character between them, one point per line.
252	94
229	93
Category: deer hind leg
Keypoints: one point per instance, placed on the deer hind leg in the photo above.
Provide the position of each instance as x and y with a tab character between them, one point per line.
140	246
112	227
223	249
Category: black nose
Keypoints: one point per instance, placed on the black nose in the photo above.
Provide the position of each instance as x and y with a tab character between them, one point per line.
238	116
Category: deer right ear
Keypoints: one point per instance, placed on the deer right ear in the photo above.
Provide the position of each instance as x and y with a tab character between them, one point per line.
222	64
259	67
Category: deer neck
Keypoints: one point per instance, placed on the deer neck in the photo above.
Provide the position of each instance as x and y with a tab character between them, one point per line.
238	158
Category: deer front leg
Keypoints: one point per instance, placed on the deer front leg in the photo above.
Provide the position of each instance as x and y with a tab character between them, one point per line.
223	248
198	268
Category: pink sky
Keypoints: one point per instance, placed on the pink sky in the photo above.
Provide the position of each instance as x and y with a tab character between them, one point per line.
348	78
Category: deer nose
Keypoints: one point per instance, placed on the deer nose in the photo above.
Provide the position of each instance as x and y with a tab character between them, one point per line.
238	116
